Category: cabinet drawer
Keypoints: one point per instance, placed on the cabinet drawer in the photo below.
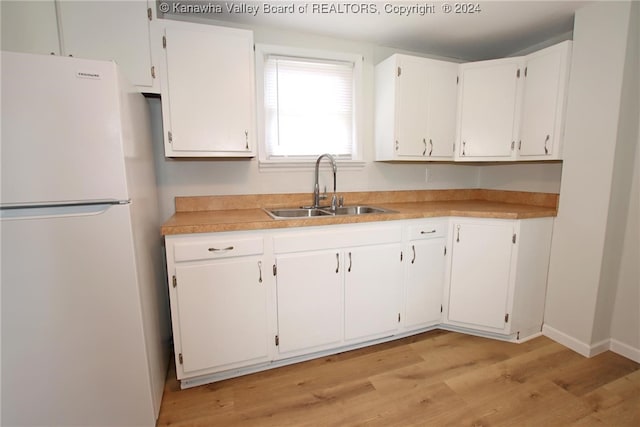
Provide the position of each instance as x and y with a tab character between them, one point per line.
428	230
213	249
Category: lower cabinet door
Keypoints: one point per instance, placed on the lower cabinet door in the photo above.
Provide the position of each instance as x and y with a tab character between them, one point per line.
309	295
222	314
373	280
424	283
480	274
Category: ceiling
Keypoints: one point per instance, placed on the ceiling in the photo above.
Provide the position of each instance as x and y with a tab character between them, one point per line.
496	29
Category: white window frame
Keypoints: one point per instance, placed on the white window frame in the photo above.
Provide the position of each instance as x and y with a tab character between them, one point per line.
262	51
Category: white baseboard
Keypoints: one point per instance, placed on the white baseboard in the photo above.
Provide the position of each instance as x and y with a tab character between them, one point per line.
625	350
590	350
566	340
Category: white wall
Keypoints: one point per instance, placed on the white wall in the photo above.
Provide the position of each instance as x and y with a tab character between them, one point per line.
221	177
625	322
582	275
538	177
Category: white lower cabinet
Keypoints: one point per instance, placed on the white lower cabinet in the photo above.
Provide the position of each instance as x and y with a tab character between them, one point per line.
219	303
373	281
424	274
309	301
247	301
336	285
498	275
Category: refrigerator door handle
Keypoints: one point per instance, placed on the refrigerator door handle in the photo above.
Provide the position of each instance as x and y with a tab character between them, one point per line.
57	210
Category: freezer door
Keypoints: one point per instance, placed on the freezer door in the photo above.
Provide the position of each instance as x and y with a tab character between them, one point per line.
61	130
73	348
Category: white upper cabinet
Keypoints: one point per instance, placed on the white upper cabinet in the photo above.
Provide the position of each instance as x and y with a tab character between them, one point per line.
104	30
117	31
208	96
488	109
415	109
546	77
30	27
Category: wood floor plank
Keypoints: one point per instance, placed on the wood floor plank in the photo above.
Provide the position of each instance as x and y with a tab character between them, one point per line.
434	379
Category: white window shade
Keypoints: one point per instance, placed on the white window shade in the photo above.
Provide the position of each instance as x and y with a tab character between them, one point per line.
308	107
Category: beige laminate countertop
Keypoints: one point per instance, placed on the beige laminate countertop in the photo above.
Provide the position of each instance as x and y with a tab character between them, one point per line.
205	214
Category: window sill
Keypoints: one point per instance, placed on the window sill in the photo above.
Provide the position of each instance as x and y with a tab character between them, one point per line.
306	165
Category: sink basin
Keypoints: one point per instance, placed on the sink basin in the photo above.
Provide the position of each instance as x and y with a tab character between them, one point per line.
359	210
323	212
296	213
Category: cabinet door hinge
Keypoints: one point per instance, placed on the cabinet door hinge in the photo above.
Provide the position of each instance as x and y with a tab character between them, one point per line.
506	318
175	281
513	145
170	136
277	340
397	145
275	270
153	72
399	71
513	239
180	359
149	13
164	42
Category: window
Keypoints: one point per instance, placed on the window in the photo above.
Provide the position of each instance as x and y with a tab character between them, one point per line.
308	105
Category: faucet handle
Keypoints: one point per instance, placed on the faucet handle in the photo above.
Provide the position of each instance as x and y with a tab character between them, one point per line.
341	201
334	202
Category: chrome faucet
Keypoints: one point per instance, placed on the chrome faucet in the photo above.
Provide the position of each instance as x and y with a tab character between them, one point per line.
316	188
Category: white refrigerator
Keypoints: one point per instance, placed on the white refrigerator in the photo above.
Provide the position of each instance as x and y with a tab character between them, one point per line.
84	319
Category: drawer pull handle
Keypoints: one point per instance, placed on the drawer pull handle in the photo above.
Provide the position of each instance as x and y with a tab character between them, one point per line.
428	232
228	248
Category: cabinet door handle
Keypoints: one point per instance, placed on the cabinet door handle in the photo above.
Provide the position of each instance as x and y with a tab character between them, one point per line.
546	150
413	248
228	248
260	271
464	147
430	147
424	141
337	262
350	263
458	235
246	139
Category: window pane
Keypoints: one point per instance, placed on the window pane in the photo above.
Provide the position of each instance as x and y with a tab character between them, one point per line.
308	107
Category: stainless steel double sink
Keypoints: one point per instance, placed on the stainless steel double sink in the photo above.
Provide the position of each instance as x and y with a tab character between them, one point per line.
310	212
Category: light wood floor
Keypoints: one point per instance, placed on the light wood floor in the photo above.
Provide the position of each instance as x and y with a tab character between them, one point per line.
434	379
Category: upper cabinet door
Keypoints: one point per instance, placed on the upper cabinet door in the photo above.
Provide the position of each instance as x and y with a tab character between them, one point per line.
546	79
488	106
412	106
442	108
117	31
208	91
30	27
